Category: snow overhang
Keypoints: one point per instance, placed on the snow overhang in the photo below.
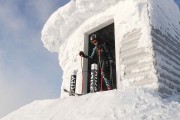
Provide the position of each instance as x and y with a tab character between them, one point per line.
68	18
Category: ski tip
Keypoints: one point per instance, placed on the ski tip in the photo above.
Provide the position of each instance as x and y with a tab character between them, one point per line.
65	90
72	94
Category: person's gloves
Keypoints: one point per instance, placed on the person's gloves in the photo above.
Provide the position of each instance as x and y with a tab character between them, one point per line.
110	60
81	53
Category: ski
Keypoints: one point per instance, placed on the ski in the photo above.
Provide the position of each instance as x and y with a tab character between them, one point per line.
111	75
73	83
72	93
94	78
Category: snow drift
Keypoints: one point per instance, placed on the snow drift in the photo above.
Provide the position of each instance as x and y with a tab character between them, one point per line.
127	104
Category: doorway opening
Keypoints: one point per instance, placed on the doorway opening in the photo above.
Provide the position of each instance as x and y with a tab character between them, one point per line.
106	36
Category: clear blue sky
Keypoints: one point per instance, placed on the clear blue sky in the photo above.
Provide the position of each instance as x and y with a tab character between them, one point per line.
178	2
27	70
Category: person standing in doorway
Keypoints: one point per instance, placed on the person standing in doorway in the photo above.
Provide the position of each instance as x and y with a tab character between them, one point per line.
104	59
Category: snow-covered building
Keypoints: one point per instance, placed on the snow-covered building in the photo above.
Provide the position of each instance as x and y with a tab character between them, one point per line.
144	37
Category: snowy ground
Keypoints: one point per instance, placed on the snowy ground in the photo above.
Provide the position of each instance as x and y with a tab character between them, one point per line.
127	104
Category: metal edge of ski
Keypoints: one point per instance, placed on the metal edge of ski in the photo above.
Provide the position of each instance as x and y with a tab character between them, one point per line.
71	93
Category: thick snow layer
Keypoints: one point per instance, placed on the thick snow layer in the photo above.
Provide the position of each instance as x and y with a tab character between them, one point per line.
127	104
68	18
165	16
66	29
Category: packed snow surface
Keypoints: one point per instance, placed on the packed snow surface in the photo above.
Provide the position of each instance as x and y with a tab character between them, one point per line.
125	104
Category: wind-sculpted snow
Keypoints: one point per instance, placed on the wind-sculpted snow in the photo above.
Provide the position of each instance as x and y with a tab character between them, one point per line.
127	104
67	19
165	16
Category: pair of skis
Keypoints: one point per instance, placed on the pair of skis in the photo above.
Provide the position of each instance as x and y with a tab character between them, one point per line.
93	82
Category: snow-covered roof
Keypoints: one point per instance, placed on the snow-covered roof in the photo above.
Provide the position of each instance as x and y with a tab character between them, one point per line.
68	18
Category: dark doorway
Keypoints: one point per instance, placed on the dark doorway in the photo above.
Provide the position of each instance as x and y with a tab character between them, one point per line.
106	36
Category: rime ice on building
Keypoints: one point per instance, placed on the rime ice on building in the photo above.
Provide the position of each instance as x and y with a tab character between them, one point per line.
145	35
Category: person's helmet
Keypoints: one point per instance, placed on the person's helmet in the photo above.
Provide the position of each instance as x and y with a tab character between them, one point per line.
93	37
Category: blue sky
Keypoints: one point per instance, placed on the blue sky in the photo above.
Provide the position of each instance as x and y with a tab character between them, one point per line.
27	70
178	2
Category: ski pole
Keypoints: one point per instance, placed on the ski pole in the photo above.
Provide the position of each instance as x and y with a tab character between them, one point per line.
101	80
111	77
82	77
99	52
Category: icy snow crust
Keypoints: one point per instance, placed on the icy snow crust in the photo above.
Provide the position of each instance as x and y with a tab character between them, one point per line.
128	104
165	16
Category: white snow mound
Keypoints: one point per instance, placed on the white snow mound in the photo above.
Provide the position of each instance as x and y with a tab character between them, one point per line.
127	104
